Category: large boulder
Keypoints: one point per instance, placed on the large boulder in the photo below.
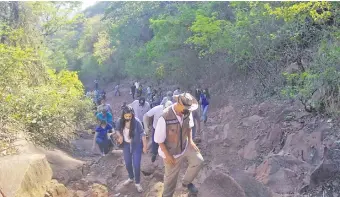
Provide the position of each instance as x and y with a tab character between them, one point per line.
282	173
220	184
25	175
65	168
251	186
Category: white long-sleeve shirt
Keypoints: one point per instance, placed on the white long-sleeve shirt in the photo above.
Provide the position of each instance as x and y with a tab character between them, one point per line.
160	132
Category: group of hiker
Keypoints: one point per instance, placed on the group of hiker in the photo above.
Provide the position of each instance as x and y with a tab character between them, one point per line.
171	124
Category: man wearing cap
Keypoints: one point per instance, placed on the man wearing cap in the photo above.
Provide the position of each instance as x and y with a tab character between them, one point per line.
155	112
174	136
140	107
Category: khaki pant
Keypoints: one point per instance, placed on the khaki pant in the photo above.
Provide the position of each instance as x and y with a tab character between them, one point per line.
195	161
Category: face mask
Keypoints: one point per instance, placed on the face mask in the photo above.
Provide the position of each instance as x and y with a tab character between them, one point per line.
185	112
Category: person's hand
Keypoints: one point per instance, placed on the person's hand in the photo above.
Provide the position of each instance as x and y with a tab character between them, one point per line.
193	145
169	159
147	131
145	149
120	139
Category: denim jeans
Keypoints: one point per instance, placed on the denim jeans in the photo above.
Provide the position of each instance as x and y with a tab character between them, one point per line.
204	113
133	161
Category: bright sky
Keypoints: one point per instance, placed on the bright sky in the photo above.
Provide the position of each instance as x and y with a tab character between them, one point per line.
87	4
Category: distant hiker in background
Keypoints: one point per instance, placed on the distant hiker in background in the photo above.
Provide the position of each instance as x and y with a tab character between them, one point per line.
198	93
139	90
131	134
156	99
177	91
137	83
204	101
96	97
168	97
116	90
102	95
197	122
148	93
101	137
105	105
140	107
155	112
174	136
133	91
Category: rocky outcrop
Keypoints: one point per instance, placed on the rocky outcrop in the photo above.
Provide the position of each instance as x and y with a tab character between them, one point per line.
65	168
219	184
25	175
283	173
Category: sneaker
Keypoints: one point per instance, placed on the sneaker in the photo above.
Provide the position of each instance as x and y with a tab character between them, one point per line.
191	187
127	182
139	188
153	158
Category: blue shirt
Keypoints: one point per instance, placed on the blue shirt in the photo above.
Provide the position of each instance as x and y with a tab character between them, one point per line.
204	100
108	118
102	132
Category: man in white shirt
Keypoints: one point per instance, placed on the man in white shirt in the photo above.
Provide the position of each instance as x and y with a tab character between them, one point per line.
140	107
174	135
155	112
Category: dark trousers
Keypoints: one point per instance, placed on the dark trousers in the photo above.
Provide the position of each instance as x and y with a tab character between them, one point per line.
154	146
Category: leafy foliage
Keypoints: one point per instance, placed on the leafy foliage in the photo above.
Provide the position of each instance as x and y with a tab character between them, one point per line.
36	102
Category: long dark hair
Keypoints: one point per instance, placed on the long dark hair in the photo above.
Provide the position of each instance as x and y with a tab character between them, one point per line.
128	110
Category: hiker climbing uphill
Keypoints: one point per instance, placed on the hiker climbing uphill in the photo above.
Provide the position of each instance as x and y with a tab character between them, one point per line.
140	107
156	112
101	137
204	101
104	114
131	134
105	105
174	136
133	91
116	90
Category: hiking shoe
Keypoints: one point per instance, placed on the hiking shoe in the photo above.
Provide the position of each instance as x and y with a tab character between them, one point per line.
153	158
139	188
191	187
127	182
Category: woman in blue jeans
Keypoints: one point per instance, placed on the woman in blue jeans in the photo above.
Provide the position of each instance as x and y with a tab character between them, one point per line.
130	132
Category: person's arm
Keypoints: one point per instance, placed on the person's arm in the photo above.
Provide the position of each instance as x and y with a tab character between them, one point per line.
143	136
117	133
159	137
146	121
198	123
190	140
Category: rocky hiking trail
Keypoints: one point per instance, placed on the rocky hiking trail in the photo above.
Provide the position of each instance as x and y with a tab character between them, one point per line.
250	150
